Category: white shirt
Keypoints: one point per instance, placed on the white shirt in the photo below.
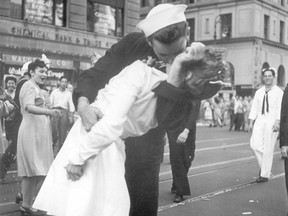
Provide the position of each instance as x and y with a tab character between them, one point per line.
274	98
62	99
128	104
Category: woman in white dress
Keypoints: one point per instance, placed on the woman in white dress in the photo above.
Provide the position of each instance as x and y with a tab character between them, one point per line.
128	104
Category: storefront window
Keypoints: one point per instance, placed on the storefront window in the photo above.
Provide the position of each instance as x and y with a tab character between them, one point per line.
104	19
45	11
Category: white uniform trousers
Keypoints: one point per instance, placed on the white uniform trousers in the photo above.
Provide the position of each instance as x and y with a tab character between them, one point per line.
262	142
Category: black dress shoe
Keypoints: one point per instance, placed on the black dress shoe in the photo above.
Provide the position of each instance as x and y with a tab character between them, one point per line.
19	198
178	198
261	179
31	212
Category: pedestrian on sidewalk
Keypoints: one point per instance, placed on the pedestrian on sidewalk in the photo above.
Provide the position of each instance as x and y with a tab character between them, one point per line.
6	108
61	99
265	122
9	157
232	115
34	147
182	151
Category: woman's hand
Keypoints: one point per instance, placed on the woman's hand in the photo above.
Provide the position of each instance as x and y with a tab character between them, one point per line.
74	172
89	115
55	113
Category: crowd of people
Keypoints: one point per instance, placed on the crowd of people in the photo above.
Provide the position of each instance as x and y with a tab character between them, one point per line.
109	162
232	112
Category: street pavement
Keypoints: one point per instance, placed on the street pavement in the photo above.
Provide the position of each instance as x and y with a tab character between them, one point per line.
222	179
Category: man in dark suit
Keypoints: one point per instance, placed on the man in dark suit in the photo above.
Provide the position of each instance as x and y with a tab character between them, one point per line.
162	40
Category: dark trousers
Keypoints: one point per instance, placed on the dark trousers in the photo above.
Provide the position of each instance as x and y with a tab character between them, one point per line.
232	120
181	157
60	126
286	173
143	158
239	121
8	158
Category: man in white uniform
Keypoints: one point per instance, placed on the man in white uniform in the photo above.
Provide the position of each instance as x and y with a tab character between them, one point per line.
265	115
61	98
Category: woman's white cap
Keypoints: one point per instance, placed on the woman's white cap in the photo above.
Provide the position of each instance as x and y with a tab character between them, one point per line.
161	16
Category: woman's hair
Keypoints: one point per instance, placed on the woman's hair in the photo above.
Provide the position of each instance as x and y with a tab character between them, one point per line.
33	65
8	78
211	68
170	33
212	65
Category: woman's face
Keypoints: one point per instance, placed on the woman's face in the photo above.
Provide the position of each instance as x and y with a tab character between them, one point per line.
39	75
11	85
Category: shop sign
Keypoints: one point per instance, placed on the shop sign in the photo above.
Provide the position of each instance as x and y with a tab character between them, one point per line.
85	65
55	74
14	71
20	60
245	86
29	30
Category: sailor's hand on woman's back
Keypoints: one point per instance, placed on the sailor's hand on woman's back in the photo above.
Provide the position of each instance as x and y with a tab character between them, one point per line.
89	115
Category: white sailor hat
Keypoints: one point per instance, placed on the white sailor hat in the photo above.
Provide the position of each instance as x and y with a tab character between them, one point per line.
24	68
161	16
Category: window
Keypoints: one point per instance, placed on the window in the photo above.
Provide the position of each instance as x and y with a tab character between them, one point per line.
145	3
104	19
39	11
283	3
207	26
266	26
191	23
191	1
158	2
226	25
281	76
16	9
60	13
281	33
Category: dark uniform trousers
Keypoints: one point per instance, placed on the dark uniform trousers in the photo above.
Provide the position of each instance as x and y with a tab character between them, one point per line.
181	157
143	158
283	135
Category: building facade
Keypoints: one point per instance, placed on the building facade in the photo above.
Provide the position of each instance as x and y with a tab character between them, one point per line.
254	32
68	32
